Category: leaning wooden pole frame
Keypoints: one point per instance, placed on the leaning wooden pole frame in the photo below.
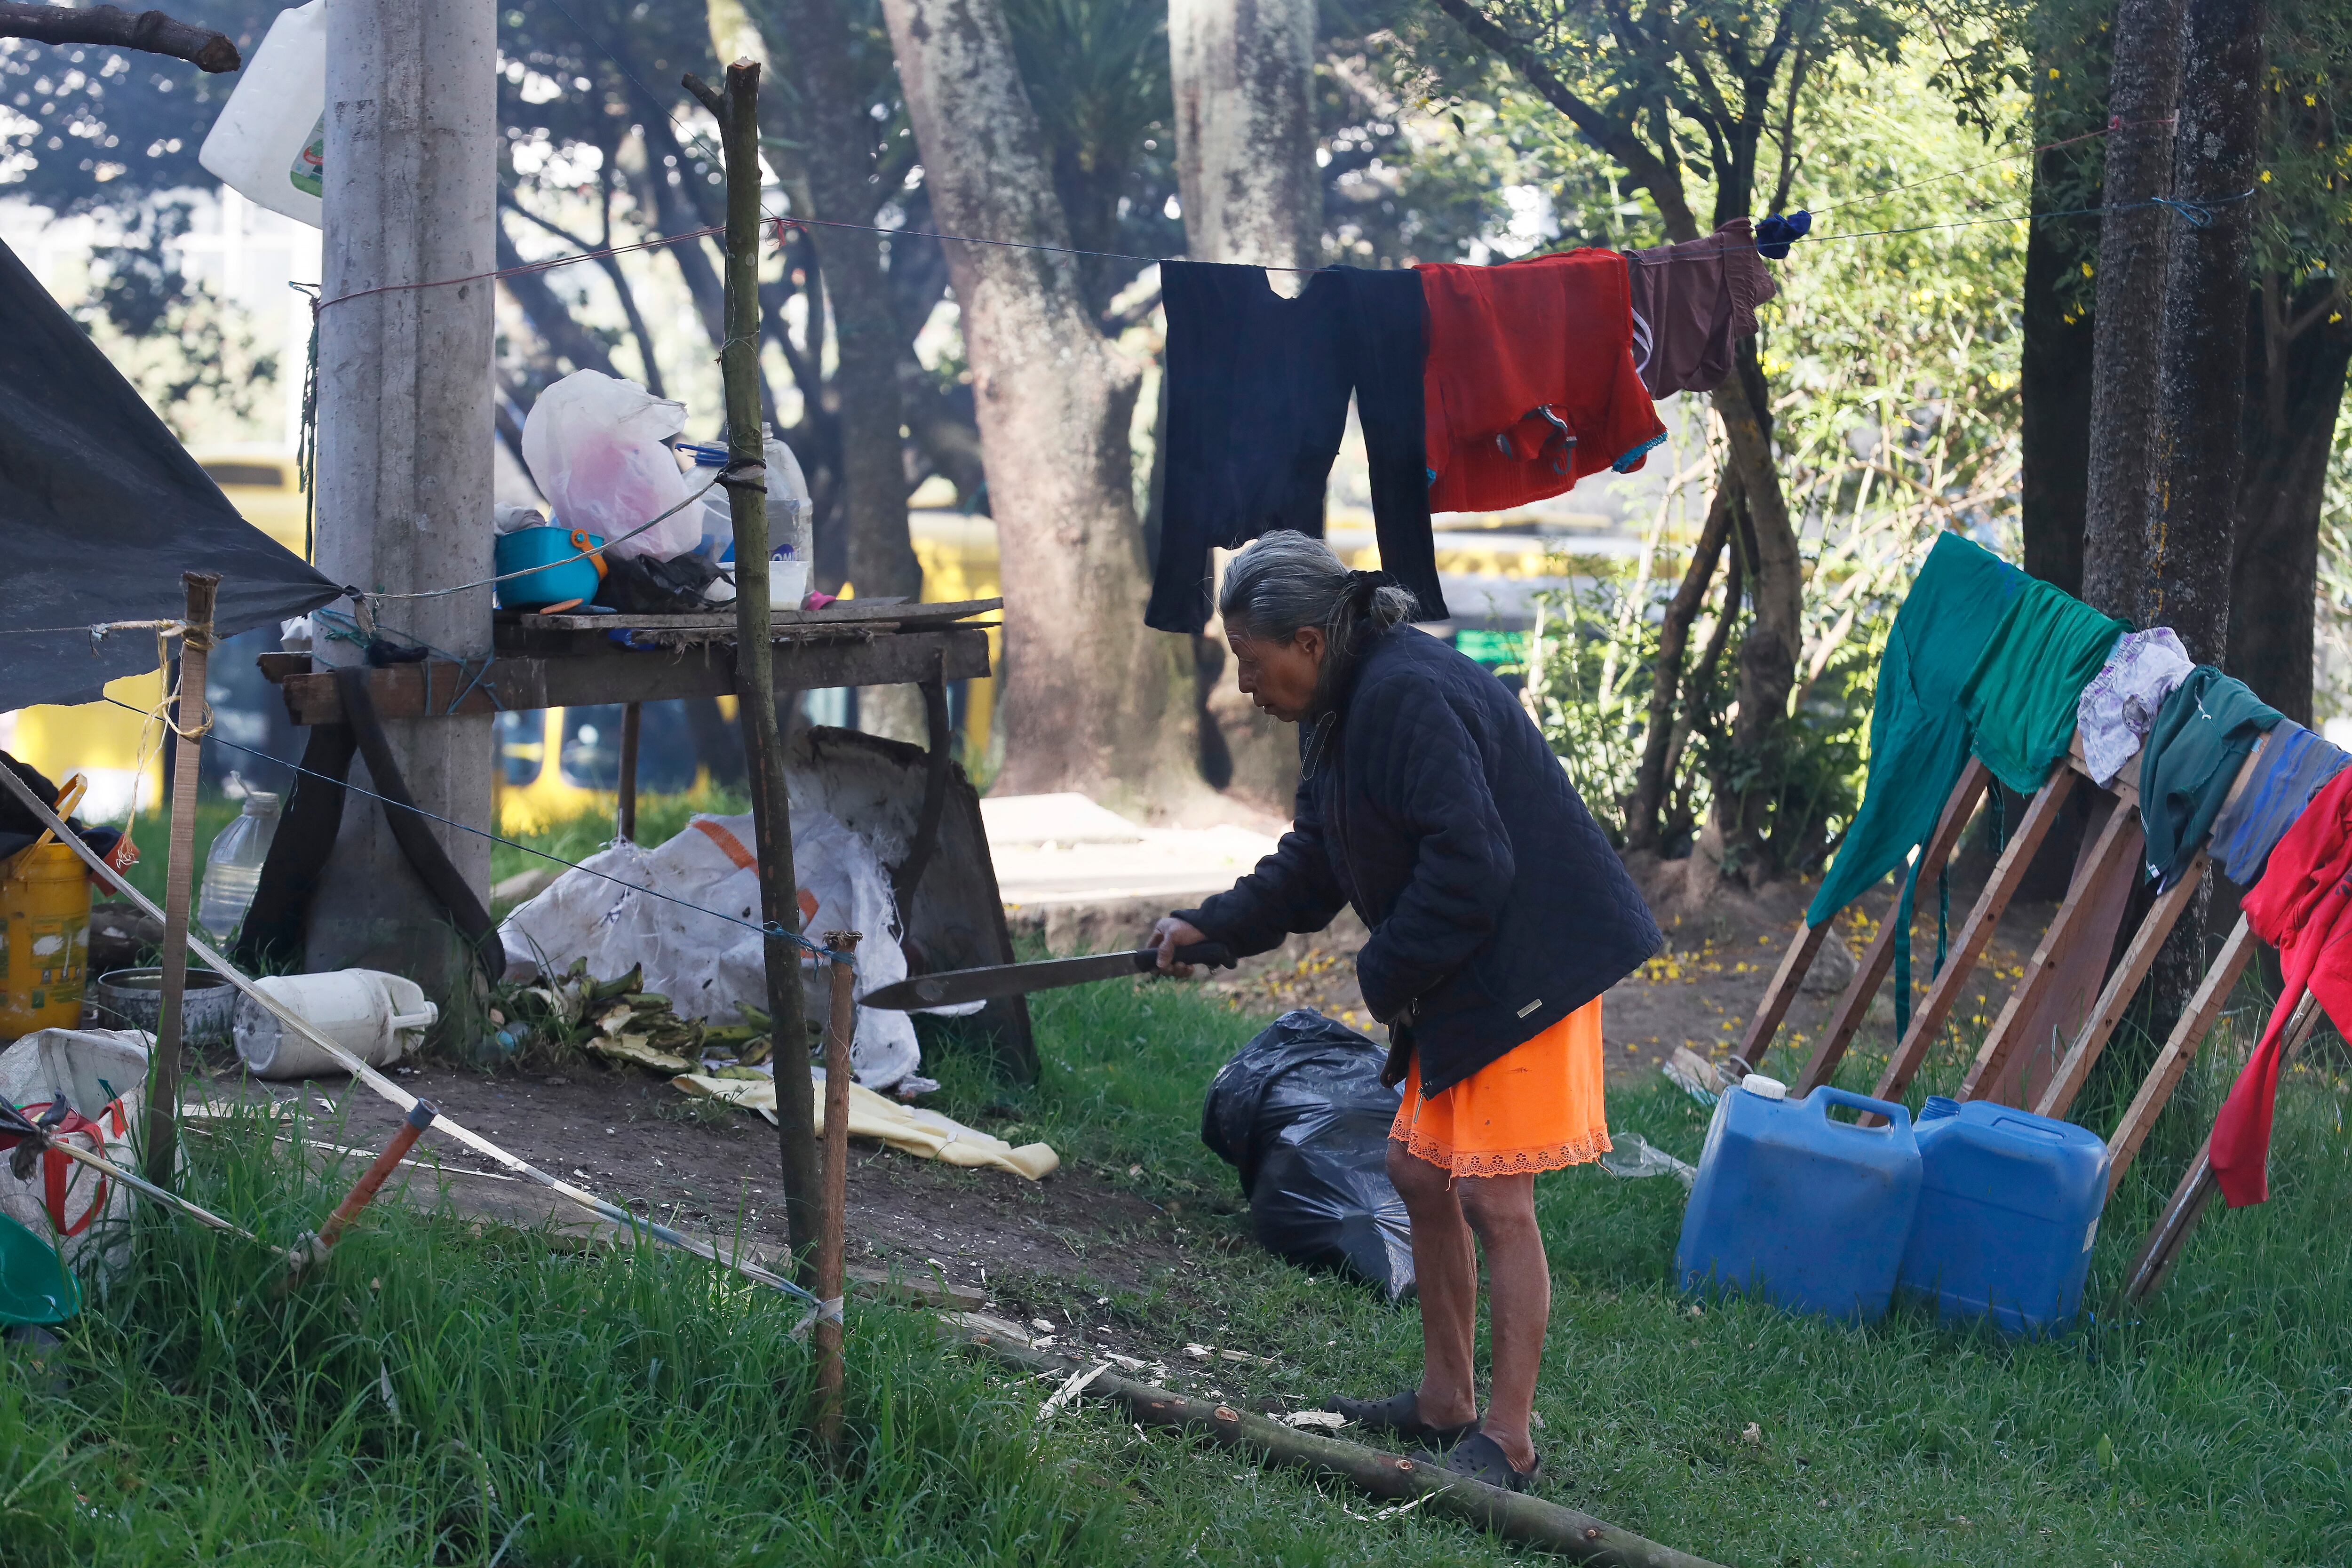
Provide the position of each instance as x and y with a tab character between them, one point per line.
2116	844
737	111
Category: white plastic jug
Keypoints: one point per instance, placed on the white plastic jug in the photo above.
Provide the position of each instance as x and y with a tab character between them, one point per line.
376	1016
269	144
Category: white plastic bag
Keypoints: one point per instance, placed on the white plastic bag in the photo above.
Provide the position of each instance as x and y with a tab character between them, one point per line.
100	1074
595	446
710	967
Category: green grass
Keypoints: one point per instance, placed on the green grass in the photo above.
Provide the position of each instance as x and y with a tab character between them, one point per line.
644	1410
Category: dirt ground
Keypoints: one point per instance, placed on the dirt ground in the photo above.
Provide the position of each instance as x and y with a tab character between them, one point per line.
1022	1246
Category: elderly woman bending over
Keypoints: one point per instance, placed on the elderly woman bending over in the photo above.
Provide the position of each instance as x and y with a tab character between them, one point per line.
1429	801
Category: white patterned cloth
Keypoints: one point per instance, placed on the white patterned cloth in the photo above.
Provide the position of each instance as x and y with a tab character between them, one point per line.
2119	706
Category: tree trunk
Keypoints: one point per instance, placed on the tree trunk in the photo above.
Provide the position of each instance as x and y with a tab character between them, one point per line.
840	137
2135	242
2196	460
2294	386
1243	71
1767	658
1093	700
1646	809
2192	480
2056	392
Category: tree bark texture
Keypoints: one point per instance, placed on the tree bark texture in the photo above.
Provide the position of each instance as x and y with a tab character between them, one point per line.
149	32
2136	240
2055	396
1093	699
840	136
2297	360
1243	71
1768	655
2196	460
2201	386
1652	783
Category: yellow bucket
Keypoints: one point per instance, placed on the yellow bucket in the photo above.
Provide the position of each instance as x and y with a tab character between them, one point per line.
43	933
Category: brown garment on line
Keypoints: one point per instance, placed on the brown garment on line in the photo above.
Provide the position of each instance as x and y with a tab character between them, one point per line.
1696	299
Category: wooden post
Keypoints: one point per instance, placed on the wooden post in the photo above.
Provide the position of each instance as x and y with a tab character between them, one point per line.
191	717
737	111
2138	958
625	823
2187	1035
1958	968
832	1232
1851	1009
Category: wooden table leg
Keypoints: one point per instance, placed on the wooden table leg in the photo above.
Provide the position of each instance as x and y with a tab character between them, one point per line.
1855	1005
625	822
1961	965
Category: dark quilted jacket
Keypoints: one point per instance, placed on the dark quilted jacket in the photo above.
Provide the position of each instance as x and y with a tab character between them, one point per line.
1433	805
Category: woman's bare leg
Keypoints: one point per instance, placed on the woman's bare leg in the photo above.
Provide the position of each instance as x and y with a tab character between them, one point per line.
1445	1271
1502	1211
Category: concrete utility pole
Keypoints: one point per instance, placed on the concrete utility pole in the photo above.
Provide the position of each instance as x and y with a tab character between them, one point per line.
404	431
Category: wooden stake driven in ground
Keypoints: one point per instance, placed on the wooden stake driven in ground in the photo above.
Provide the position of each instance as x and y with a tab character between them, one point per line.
833	1228
190	718
737	111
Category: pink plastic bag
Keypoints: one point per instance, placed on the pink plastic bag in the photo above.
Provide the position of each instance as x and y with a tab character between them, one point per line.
595	446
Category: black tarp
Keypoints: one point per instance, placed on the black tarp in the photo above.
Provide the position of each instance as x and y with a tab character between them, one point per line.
101	510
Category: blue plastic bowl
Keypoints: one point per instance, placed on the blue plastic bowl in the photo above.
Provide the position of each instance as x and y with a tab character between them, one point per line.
529	547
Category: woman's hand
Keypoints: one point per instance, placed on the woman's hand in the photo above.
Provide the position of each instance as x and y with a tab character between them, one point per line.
1168	935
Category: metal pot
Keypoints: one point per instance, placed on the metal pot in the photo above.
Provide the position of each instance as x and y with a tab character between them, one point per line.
133	999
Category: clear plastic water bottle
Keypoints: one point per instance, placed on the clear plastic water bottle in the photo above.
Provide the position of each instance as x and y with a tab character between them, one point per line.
233	868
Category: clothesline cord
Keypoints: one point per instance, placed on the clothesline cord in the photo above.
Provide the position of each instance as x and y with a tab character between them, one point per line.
792	936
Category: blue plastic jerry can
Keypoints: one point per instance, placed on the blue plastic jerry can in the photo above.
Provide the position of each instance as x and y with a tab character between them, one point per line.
2008	1206
1798	1208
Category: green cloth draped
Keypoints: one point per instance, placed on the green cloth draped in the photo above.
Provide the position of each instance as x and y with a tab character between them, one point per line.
1918	734
2021	698
2202	737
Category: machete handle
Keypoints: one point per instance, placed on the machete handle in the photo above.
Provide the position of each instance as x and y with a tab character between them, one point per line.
1214	955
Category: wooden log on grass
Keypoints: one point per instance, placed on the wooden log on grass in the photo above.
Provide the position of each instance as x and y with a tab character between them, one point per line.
1515	1516
191	718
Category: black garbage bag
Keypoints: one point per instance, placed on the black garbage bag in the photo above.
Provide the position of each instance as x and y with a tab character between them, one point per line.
1301	1113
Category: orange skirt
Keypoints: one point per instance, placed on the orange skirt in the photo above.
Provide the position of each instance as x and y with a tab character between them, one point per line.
1538	1108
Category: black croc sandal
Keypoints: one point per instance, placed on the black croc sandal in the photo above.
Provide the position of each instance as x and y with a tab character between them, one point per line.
1481	1458
1399	1415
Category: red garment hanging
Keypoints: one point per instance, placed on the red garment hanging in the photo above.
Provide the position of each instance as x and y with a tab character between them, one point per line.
1529	381
2299	907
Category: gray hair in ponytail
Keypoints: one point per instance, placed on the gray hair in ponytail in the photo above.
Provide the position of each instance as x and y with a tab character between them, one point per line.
1287	581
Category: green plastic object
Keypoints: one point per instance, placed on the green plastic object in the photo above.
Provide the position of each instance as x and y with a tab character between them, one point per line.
35	1288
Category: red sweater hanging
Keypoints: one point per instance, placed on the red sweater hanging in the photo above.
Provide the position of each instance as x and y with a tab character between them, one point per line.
1529	381
2300	907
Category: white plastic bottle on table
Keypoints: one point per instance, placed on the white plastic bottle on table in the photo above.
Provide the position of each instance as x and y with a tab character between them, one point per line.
233	868
268	143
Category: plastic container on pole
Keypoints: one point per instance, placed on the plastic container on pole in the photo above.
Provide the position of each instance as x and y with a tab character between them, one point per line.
2008	1206
1798	1208
268	144
233	865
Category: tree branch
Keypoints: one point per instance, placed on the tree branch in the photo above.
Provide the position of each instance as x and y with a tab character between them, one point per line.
149	32
1642	165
